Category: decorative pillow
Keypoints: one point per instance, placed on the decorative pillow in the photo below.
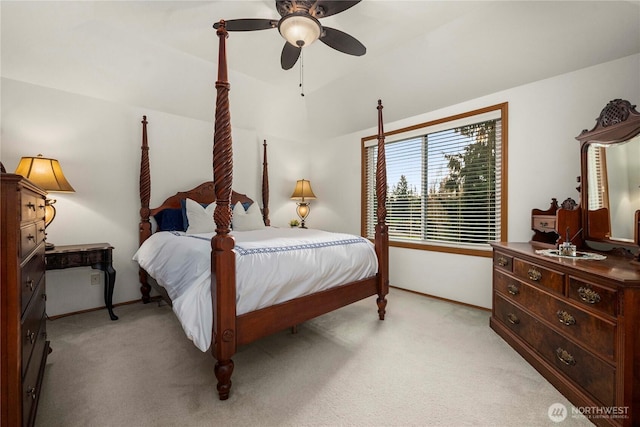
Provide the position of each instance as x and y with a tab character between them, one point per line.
238	209
185	219
252	209
249	220
170	220
200	218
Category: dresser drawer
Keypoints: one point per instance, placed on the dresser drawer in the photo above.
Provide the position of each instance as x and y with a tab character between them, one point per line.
541	276
592	374
31	382
594	296
40	231
32	322
30	276
503	261
31	206
589	330
28	239
545	223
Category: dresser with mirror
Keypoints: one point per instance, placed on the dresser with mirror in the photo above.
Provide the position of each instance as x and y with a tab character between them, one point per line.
575	317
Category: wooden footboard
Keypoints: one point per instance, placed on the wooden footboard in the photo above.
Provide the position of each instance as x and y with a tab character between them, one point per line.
260	323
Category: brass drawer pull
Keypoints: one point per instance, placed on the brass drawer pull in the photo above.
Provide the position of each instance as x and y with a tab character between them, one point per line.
31	206
513	289
565	357
588	295
29	284
31	237
513	319
565	318
31	392
31	336
534	274
502	261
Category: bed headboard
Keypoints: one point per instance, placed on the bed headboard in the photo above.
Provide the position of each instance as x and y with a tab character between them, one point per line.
203	193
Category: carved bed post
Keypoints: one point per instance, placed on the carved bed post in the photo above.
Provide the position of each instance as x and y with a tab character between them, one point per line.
382	237
223	279
145	194
265	186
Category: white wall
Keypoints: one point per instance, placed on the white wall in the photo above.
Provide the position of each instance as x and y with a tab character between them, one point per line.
543	162
98	145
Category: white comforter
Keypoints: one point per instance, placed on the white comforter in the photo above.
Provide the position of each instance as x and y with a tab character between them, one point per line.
273	265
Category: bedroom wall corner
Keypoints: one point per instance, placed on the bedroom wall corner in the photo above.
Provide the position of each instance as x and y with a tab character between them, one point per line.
544	119
98	145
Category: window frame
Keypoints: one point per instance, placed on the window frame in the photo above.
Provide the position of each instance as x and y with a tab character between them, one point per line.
449	247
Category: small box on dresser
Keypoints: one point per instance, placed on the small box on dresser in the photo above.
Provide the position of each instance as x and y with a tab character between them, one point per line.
577	322
23	343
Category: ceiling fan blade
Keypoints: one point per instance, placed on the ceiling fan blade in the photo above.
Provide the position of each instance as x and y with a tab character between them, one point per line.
324	8
249	24
342	42
290	55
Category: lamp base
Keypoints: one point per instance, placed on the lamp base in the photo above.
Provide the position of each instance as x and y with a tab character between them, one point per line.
303	210
49	246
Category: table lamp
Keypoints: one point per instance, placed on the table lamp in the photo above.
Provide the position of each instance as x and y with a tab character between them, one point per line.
47	174
303	192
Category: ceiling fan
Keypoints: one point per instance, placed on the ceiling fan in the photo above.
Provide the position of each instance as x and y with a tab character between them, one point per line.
300	26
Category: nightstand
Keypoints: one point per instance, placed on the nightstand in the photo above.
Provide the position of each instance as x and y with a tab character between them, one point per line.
95	255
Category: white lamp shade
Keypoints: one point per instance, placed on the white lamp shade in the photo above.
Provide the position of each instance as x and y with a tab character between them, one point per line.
300	30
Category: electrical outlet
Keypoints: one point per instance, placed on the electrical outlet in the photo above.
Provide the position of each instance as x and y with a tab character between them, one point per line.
95	278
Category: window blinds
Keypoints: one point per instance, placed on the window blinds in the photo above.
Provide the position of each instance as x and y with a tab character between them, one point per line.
444	186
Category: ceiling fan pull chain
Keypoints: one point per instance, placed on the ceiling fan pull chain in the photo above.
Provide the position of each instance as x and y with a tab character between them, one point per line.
301	85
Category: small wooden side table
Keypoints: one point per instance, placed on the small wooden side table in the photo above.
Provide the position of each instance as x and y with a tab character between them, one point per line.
95	255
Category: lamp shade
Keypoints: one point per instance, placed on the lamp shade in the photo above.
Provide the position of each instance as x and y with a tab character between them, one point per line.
303	191
45	173
300	30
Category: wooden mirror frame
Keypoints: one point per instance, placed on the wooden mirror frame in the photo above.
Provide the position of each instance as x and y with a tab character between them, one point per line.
618	122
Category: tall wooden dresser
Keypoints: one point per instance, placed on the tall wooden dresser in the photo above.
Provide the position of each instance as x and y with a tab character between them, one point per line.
577	322
23	343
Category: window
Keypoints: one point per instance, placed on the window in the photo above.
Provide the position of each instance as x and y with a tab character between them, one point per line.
446	183
597	170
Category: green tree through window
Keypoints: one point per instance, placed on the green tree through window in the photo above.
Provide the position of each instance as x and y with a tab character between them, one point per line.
447	183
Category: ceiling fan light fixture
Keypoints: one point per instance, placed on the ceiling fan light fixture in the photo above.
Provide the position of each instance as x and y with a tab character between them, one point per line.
300	30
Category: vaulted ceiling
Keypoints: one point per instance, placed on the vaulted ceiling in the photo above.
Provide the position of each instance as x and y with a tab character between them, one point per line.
421	55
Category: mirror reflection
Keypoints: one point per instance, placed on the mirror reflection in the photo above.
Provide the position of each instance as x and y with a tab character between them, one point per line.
614	187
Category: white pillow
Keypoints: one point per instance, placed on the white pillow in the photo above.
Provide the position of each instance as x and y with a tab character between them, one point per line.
200	218
249	220
237	210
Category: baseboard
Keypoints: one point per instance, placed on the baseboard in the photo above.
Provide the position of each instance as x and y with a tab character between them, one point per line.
442	299
88	310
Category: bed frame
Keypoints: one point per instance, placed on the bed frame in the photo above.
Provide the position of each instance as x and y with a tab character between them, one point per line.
229	329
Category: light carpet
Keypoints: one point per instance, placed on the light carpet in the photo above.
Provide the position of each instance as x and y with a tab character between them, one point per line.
430	363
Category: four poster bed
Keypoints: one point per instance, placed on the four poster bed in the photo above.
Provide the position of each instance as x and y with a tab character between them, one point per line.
232	321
